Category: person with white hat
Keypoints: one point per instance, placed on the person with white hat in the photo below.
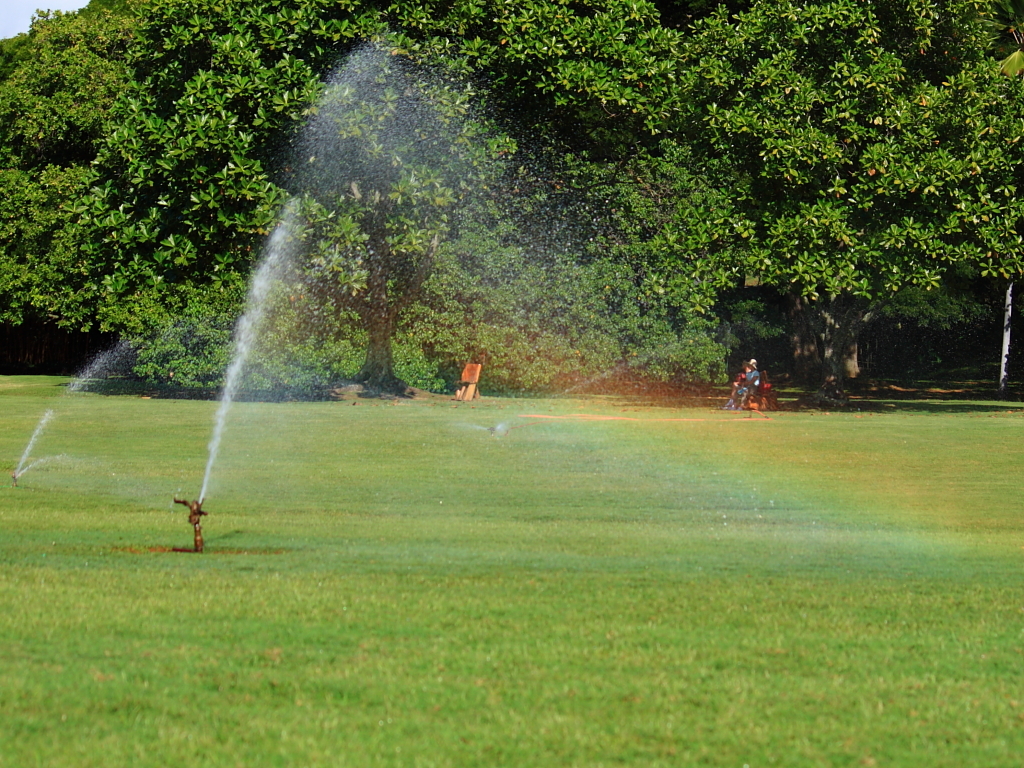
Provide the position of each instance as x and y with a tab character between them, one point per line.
747	378
753	375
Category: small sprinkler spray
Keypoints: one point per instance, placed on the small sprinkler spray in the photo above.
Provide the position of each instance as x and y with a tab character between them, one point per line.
195	514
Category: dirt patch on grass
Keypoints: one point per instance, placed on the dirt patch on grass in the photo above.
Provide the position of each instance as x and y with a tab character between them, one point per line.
207	551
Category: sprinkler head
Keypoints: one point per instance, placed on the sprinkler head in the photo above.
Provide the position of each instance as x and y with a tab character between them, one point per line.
14	479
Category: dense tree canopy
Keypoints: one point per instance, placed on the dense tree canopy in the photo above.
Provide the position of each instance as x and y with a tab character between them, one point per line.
54	108
835	149
189	172
877	148
193	175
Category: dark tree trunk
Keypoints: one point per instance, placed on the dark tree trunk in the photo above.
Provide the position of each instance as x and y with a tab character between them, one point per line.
392	285
823	335
803	339
379	319
378	371
839	320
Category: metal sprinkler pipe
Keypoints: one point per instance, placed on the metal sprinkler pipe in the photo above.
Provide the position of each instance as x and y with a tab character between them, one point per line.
195	515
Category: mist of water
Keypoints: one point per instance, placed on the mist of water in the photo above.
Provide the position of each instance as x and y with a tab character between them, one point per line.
42	461
100	364
374	123
498	430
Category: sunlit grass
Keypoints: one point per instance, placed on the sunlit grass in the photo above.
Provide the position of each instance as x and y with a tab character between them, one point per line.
391	585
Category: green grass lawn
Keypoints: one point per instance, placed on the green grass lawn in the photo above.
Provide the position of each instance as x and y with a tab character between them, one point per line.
392	585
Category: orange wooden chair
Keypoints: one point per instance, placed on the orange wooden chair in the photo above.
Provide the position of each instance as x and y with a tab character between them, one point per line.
467	386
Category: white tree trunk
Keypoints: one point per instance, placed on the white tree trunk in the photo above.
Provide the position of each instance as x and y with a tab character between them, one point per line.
1004	364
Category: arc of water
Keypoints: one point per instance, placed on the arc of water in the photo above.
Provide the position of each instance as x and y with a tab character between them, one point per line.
101	362
21	469
40	462
275	256
95	366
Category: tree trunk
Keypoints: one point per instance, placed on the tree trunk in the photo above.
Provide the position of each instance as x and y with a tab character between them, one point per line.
1004	364
838	321
378	371
379	319
391	287
851	363
803	339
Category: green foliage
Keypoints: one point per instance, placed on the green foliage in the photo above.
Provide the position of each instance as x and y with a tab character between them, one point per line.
543	320
603	69
187	186
574	277
13	51
186	189
190	346
1003	19
42	271
942	309
749	322
53	111
393	151
878	146
652	209
415	367
188	182
187	345
844	148
116	7
54	106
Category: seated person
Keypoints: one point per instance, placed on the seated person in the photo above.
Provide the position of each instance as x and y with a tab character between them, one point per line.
751	384
753	375
740	386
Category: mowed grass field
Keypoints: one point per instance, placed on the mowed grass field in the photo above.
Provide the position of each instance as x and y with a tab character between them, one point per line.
392	585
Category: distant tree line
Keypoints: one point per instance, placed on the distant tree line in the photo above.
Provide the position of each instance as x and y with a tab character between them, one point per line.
665	182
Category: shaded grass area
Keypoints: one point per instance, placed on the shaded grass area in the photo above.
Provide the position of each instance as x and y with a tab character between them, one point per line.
393	585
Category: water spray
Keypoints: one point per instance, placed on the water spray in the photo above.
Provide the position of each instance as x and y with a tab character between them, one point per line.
21	468
498	430
275	257
38	462
99	363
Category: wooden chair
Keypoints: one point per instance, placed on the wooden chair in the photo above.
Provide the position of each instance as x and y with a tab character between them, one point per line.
467	386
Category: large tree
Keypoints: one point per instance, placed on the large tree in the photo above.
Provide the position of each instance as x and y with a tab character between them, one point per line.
1003	20
54	107
876	145
186	189
193	176
393	151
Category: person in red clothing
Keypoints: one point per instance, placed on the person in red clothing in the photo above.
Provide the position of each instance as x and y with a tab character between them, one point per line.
738	385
